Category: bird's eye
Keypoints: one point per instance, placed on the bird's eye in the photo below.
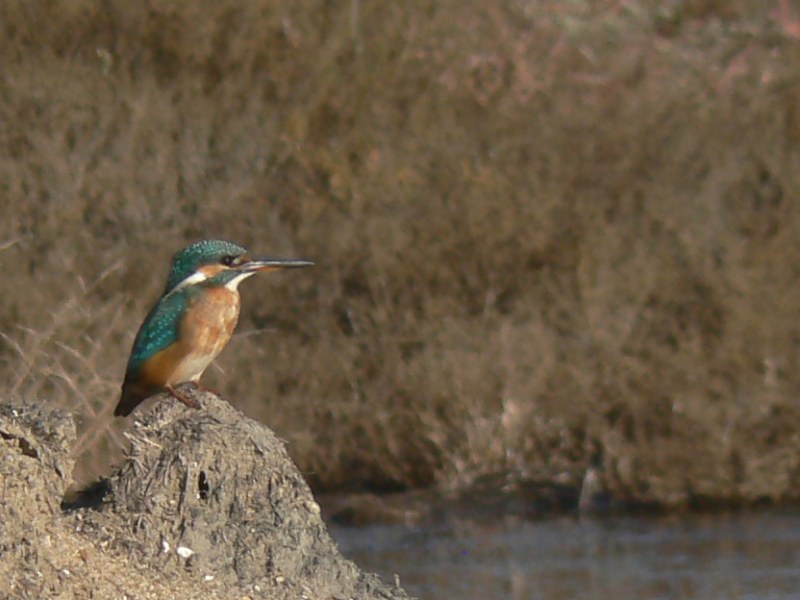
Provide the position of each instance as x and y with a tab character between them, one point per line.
228	261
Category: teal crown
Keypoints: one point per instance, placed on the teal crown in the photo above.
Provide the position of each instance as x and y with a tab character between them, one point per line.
206	252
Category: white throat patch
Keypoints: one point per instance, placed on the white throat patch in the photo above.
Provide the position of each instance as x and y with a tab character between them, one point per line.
234	283
200	277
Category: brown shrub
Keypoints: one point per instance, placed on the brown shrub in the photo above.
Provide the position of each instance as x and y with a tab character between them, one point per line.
546	236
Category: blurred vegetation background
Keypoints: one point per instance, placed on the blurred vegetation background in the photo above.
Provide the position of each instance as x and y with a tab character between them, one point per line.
549	235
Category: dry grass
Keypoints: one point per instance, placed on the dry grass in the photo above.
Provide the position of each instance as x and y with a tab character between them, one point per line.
548	234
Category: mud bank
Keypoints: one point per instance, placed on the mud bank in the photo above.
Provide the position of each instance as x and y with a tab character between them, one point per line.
207	504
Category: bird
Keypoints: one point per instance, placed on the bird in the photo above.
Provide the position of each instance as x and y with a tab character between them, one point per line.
192	321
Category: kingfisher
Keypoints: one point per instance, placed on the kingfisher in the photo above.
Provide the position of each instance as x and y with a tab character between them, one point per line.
192	321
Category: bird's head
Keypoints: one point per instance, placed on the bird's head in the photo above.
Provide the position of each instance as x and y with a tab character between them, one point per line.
225	262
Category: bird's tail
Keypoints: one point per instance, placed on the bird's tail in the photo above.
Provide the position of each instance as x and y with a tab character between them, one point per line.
131	397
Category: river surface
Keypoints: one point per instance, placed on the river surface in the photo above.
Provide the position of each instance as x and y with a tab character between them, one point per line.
752	556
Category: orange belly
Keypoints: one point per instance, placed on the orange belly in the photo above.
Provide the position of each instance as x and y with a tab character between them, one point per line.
206	329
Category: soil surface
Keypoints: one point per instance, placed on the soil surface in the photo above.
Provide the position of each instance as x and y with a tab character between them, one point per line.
207	504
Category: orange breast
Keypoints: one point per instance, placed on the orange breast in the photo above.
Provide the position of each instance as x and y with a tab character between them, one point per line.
206	329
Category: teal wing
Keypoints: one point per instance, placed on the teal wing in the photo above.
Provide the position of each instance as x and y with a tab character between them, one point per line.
159	330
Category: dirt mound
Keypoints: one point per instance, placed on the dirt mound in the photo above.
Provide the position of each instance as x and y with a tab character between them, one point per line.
208	504
35	470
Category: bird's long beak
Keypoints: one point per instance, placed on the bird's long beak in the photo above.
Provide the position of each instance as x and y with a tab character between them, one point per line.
273	264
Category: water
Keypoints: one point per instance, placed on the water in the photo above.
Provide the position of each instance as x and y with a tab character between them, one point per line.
742	556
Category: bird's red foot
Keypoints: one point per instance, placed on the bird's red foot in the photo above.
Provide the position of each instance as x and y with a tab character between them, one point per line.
183	397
